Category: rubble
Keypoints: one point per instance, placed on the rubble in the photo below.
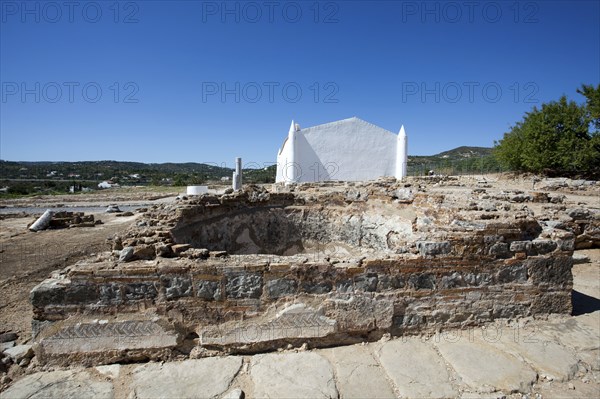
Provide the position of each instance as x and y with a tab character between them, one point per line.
63	219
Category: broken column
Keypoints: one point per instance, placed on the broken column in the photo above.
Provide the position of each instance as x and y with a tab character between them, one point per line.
43	222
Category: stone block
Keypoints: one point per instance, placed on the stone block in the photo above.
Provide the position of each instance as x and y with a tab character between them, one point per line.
144	252
180	248
110	294
430	248
292	375
177	286
543	246
48	292
366	282
101	340
189	379
512	274
19	352
295	322
554	271
422	281
316	288
281	287
500	250
80	294
208	290
241	285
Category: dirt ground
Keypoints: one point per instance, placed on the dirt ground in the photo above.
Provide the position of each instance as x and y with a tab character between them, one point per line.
27	258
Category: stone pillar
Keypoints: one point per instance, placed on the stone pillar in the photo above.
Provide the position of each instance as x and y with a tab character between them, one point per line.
237	175
401	154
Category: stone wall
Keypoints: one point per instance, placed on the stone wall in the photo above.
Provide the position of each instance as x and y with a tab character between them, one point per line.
367	260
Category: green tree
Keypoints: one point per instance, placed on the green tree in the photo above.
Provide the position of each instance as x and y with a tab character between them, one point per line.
592	96
554	139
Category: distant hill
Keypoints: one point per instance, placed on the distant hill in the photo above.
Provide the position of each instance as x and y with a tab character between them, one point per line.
456	154
59	176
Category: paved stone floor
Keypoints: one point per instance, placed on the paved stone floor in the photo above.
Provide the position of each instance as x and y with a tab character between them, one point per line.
554	358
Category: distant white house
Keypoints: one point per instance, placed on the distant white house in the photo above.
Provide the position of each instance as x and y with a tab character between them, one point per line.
346	150
107	184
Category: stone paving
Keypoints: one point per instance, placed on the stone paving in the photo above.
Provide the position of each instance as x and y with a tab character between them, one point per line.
553	358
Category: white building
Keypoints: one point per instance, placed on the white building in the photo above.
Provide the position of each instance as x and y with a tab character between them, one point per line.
346	150
105	184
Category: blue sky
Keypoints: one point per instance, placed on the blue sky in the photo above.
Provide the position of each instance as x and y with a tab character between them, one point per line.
206	81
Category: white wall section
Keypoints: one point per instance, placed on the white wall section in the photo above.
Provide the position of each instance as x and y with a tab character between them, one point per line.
346	150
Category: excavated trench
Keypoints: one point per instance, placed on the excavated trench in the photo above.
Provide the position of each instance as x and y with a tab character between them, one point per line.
292	230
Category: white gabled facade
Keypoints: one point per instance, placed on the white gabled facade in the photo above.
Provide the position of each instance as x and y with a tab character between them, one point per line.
346	150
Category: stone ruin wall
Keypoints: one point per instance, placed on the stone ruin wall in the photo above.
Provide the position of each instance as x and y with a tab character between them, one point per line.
340	264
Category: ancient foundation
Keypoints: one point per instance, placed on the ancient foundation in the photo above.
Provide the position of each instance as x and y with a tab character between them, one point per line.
321	264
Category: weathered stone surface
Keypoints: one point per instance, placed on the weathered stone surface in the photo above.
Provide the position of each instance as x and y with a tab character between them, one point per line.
244	286
144	252
549	359
236	393
555	270
6	345
578	213
359	312
19	352
137	291
8	336
366	282
48	292
509	274
281	287
573	333
292	375
209	290
178	249
126	254
484	367
205	378
500	250
177	286
297	321
60	384
103	340
416	369
579	258
427	248
358	374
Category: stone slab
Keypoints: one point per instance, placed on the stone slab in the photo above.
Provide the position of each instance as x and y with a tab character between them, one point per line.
574	332
591	358
69	337
484	367
68	384
416	369
201	378
358	373
551	360
294	322
292	375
